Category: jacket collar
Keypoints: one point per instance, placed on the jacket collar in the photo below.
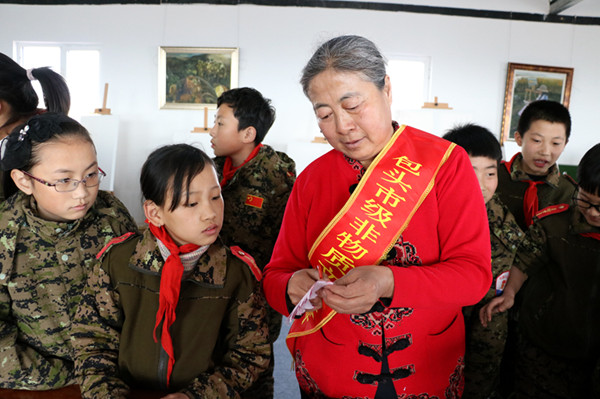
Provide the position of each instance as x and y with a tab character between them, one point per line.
515	168
210	270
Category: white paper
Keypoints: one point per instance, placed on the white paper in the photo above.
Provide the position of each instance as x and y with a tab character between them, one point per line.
304	303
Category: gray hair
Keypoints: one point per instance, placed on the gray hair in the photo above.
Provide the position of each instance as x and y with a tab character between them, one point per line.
346	54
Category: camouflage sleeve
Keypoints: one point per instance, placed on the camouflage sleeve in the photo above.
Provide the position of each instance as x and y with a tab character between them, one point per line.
22	366
121	221
248	352
96	338
531	254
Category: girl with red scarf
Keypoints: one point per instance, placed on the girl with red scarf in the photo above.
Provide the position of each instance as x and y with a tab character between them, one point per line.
173	310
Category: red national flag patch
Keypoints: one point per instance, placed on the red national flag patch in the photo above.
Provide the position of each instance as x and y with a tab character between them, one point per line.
252	200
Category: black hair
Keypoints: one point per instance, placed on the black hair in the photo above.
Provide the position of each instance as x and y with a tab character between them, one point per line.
20	149
17	91
476	140
544	110
171	167
250	108
588	171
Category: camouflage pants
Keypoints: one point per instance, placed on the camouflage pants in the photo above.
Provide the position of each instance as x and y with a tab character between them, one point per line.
483	354
263	387
541	375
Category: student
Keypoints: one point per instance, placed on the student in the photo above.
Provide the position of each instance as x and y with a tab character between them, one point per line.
50	231
559	318
485	345
256	182
128	332
531	180
18	100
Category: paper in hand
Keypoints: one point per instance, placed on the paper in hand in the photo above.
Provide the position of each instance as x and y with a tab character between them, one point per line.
304	303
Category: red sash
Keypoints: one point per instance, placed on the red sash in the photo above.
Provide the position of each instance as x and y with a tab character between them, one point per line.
379	210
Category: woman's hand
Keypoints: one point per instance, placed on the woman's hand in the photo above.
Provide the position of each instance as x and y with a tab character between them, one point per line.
300	283
358	290
496	305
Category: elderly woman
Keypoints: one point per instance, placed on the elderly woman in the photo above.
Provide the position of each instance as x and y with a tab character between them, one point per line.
394	217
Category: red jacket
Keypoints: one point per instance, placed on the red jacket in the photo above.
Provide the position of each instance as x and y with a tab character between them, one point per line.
446	254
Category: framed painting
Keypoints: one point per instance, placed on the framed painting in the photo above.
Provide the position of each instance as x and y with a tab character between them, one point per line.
527	83
194	77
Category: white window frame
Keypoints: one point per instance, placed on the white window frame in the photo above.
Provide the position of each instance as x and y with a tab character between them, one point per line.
427	73
65	47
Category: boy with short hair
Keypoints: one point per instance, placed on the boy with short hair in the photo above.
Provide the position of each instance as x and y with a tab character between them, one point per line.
559	318
531	180
485	345
256	182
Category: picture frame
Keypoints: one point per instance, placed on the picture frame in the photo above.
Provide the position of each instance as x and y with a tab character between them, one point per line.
194	77
526	83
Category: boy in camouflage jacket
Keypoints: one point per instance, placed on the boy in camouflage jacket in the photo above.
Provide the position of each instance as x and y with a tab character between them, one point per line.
559	318
531	181
44	263
256	182
485	345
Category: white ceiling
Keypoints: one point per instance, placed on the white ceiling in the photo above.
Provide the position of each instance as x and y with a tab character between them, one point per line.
579	8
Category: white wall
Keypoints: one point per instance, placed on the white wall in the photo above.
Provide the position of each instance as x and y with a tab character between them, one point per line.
469	58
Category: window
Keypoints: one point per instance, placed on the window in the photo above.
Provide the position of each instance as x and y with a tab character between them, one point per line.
78	64
410	76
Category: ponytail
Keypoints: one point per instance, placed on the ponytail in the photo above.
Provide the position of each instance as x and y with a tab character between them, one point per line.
54	87
16	89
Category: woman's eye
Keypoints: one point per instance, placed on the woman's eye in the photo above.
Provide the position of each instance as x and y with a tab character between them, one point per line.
192	204
63	181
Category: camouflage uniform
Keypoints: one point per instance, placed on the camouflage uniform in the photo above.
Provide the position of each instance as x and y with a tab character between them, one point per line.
557	189
43	269
512	186
485	345
560	315
219	335
255	199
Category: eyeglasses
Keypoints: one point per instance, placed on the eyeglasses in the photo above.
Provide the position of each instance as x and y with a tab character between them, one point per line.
66	185
583	204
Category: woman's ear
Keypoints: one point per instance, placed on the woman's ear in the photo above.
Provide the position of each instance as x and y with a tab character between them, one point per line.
22	181
387	88
153	213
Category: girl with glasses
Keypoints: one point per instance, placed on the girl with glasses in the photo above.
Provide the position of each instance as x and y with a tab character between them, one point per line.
52	224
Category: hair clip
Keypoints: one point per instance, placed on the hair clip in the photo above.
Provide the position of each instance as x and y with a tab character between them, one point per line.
23	133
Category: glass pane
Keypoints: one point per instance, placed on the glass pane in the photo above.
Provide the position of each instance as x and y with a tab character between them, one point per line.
83	78
408	79
40	56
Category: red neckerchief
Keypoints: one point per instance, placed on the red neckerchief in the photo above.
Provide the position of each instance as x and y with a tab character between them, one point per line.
170	284
229	170
592	235
530	201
